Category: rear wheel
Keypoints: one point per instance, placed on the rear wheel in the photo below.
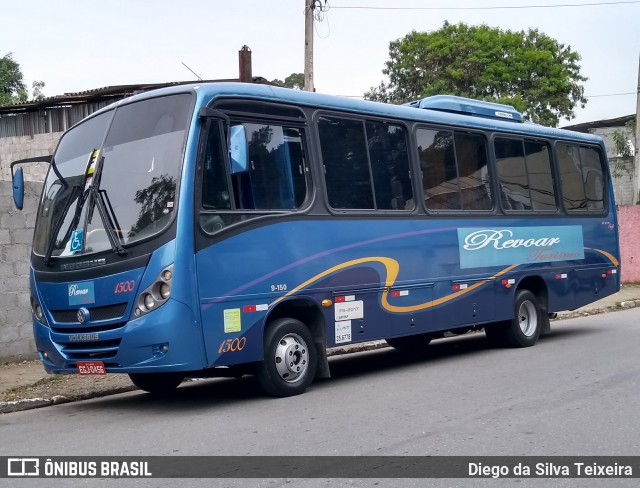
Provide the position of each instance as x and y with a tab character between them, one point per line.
157	383
290	358
524	329
415	343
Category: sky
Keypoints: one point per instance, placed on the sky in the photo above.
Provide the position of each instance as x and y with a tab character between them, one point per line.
81	45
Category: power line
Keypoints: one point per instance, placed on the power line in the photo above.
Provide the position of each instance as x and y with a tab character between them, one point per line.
610	95
510	7
586	96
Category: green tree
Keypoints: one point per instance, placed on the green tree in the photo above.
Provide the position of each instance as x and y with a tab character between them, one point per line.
12	87
531	71
37	87
626	147
294	80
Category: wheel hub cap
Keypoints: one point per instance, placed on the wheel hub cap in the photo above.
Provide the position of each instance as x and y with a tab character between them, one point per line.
292	358
527	318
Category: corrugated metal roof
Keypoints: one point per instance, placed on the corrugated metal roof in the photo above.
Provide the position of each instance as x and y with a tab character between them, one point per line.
598	124
105	93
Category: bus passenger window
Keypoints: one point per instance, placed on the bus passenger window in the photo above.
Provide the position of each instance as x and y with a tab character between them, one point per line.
512	173
471	156
593	178
439	170
454	170
538	159
581	177
389	166
275	178
215	190
346	165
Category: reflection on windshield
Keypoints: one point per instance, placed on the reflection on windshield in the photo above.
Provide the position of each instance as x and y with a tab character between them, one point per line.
156	202
141	148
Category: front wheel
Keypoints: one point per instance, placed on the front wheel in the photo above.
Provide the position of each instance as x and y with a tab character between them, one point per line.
290	358
157	383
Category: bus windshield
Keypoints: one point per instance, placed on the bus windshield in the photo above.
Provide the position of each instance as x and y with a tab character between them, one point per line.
115	174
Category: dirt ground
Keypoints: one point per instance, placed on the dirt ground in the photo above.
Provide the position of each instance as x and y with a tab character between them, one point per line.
29	380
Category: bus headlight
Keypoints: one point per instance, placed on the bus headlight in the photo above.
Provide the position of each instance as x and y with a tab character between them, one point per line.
165	290
155	295
37	311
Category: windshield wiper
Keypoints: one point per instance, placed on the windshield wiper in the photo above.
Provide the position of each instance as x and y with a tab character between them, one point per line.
93	193
115	241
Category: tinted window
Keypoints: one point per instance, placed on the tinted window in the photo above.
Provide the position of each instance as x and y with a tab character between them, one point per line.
540	179
581	177
273	180
346	165
275	177
366	164
454	170
512	173
593	178
471	155
387	146
524	172
215	185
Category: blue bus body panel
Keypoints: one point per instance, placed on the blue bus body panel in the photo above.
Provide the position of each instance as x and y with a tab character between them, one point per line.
111	332
403	276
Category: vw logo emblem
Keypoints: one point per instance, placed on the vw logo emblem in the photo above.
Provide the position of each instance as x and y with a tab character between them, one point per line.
82	315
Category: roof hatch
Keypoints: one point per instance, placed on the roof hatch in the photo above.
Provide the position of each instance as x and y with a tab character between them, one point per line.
467	106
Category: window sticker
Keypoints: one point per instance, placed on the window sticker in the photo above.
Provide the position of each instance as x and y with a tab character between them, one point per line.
232	321
75	244
349	310
343	331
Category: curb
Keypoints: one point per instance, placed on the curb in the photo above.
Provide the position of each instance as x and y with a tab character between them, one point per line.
595	311
31	403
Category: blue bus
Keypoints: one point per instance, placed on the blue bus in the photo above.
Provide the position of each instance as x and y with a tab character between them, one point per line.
231	229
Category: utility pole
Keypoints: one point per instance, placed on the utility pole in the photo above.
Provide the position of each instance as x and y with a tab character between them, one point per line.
308	45
636	145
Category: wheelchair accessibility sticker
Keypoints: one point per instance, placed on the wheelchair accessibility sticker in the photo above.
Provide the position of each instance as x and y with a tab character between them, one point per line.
76	241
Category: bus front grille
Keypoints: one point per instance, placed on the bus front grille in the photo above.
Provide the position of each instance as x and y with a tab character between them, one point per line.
108	312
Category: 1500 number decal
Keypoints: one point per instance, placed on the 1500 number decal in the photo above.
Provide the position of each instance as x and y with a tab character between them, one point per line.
125	287
279	287
232	345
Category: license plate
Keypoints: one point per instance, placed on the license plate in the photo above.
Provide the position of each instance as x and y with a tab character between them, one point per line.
91	368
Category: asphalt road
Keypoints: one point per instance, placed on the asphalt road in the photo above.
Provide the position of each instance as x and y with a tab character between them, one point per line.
577	392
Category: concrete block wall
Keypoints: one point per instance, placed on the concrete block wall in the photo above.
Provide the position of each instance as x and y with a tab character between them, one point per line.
14	148
16	232
622	187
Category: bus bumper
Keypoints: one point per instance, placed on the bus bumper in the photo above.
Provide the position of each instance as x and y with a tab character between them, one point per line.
165	340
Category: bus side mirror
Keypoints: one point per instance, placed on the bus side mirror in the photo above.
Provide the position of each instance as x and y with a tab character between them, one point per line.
238	149
18	188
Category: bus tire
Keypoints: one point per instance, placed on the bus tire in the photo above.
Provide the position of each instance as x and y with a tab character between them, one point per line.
157	383
290	358
415	343
525	328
